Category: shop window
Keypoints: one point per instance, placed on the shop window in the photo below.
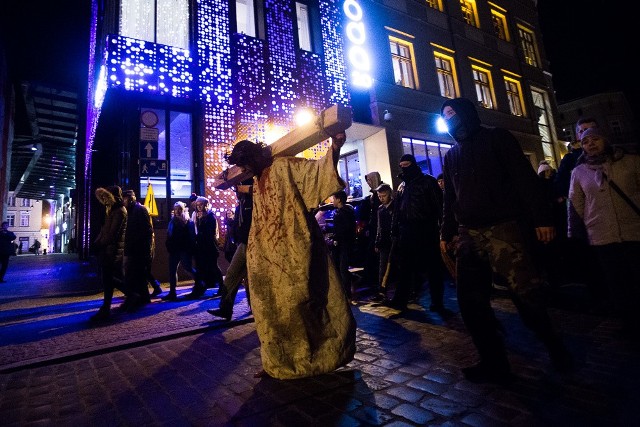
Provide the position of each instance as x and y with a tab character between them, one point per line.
349	170
429	154
170	170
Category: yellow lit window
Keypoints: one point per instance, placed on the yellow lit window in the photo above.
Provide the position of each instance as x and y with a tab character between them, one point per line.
470	12
403	59
500	25
484	87
514	95
447	77
528	44
435	4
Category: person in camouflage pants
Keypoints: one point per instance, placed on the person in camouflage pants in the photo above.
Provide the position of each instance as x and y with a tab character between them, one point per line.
495	209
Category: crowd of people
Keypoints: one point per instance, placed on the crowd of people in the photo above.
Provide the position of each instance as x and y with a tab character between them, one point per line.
489	217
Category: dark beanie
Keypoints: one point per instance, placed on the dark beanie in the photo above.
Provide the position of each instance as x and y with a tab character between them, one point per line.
408	158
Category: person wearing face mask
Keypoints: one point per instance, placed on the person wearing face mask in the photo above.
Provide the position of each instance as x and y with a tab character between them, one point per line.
495	205
415	227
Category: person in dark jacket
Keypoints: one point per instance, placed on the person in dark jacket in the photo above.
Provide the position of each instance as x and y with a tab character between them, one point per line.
181	235
383	241
495	204
208	274
7	248
416	228
344	238
138	246
237	270
110	244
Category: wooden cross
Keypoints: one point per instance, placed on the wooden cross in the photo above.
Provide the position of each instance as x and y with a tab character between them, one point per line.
333	120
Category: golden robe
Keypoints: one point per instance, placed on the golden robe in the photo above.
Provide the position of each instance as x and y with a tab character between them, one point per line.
303	319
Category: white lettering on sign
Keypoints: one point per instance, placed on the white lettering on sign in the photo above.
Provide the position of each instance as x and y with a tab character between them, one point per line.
356	54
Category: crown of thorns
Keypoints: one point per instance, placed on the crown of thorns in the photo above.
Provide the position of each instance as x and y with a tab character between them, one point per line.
243	151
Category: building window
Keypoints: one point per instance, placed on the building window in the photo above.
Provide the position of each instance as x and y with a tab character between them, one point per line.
404	71
11	201
24	218
514	95
26	203
245	17
11	219
435	4
429	155
484	87
447	78
349	170
542	108
304	27
470	13
160	21
528	43
175	142
500	24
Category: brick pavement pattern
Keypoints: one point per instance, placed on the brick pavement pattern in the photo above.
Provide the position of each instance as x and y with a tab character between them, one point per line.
171	364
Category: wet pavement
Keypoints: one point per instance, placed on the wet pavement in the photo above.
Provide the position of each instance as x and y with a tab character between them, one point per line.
173	364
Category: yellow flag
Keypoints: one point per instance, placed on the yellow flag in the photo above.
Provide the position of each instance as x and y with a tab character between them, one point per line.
150	201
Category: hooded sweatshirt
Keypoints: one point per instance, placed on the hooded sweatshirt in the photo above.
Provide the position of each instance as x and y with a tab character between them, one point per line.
488	180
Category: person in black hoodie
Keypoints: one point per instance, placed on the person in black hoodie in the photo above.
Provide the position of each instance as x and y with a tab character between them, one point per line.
495	206
415	227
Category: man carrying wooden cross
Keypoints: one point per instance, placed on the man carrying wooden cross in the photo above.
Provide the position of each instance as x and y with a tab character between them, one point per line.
303	319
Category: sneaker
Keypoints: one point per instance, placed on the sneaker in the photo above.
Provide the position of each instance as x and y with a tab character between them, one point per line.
156	291
483	373
219	313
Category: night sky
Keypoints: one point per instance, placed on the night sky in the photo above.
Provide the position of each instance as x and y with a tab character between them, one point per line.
588	45
47	40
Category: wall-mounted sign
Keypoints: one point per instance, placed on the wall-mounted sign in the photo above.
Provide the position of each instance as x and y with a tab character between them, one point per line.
153	168
149	118
358	57
148	149
149	134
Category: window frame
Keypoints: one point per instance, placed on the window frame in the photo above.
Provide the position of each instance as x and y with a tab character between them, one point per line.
396	58
529	46
470	12
443	73
434	4
484	89
25	218
11	219
250	17
305	35
513	88
136	28
499	19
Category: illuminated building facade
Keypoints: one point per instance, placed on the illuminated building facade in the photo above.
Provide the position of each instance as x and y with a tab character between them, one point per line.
173	84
